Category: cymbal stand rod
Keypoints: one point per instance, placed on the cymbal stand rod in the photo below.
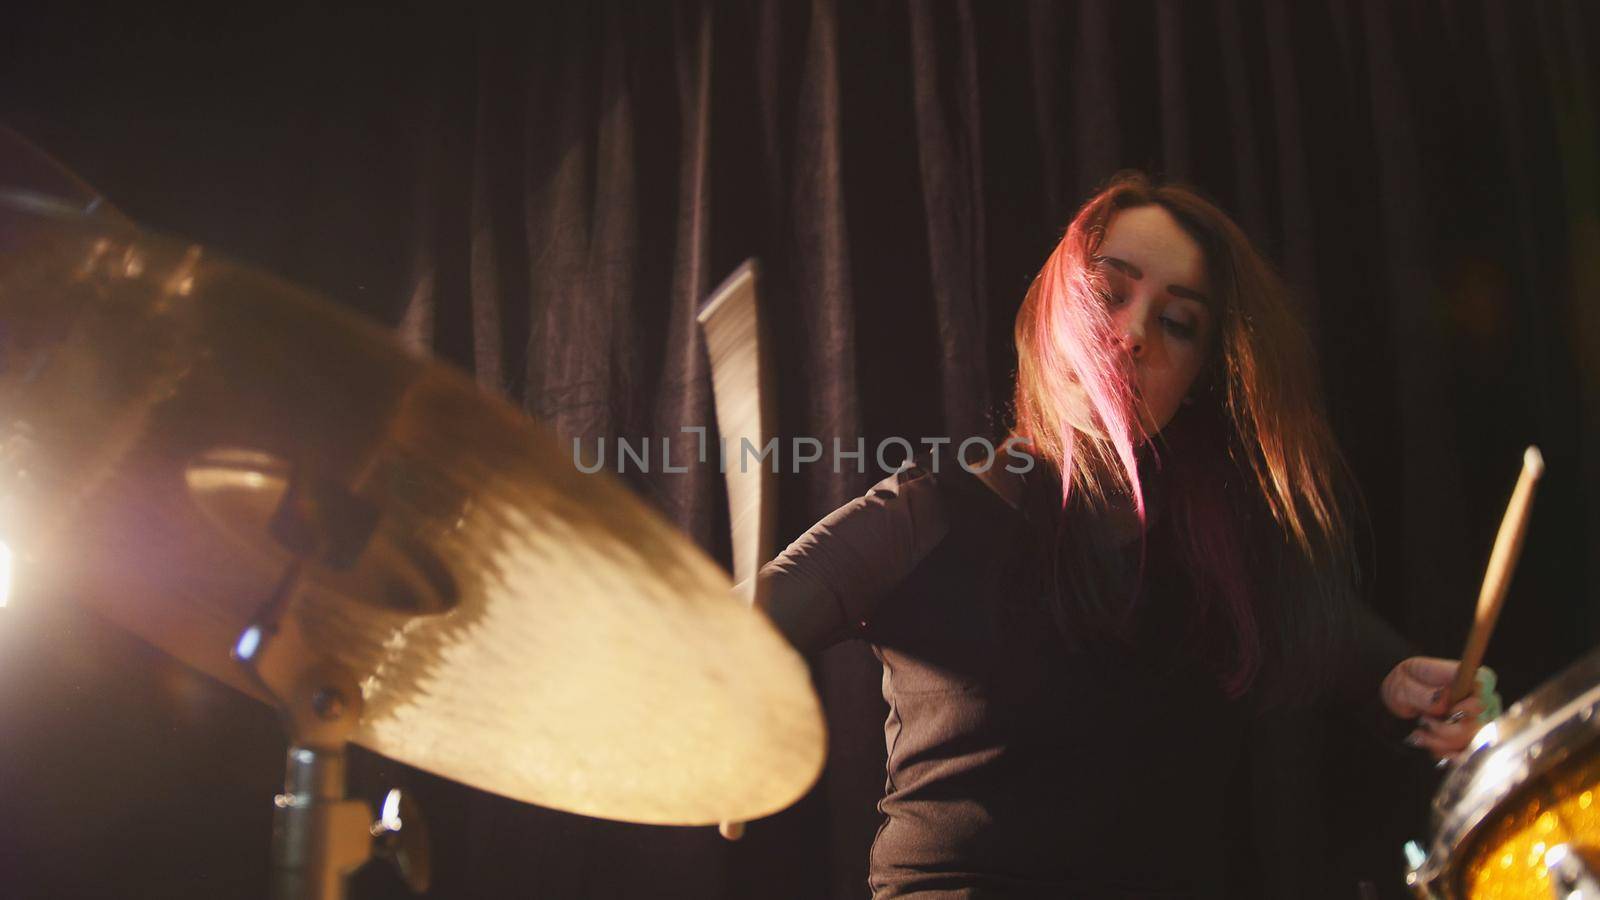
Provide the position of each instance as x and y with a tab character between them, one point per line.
318	836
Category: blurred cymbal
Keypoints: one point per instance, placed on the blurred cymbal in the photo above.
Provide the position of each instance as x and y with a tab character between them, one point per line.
514	624
24	167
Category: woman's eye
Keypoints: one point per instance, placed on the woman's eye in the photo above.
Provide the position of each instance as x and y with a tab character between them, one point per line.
1112	299
1183	330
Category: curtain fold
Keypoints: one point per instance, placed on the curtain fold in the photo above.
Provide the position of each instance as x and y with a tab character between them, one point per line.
950	160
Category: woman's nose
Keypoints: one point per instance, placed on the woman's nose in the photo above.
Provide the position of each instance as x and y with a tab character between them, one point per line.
1133	339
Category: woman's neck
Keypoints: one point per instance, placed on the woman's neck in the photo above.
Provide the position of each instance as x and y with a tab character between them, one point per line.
1122	521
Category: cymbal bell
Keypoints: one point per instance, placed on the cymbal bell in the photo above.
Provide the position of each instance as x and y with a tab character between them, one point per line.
513	623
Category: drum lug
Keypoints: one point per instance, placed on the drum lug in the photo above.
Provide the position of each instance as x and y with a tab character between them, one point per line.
402	839
1416	859
1570	877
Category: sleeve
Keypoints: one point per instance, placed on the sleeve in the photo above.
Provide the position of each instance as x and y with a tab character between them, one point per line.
1372	649
825	586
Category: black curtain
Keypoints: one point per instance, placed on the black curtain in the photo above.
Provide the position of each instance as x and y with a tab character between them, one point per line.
544	197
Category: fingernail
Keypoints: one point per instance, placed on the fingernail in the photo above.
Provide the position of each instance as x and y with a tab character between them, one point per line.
1456	716
1413	740
1442	763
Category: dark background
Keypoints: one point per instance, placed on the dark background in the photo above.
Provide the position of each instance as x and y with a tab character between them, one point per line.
543	198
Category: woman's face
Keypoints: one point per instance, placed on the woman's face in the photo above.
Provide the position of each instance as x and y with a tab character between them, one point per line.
1161	306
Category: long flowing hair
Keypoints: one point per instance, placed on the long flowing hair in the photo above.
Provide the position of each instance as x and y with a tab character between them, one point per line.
1254	487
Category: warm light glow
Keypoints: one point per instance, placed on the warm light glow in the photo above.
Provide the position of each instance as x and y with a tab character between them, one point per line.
1527	845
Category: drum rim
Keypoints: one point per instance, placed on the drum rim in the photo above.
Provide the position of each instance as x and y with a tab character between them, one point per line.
1535	735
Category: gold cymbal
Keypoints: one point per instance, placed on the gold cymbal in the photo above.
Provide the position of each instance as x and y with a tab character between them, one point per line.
513	623
26	168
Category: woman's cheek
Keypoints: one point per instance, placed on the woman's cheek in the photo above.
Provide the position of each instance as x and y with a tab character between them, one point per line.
1193	360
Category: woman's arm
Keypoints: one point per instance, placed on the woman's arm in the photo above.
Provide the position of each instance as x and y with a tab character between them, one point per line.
1373	650
825	586
1401	693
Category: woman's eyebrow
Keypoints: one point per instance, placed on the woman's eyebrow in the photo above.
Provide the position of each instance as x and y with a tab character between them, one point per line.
1127	268
1178	290
1137	274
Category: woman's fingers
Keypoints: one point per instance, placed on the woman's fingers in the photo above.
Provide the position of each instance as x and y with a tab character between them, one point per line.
1418	686
1455	735
1431	670
1467	710
1437	743
1451	734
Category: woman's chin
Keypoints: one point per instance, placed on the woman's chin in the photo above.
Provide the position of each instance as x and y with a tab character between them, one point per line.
1151	425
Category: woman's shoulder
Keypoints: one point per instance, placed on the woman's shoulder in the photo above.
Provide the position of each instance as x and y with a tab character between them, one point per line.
971	492
1007	484
905	515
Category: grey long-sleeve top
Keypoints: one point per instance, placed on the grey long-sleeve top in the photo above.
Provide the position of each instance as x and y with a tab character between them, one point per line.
1018	767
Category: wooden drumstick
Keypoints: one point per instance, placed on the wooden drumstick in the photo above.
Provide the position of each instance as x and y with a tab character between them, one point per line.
1497	578
742	388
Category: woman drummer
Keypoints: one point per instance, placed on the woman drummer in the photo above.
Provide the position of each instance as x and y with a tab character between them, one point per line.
1076	640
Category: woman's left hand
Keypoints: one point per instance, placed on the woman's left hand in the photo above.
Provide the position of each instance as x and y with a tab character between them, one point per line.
1417	689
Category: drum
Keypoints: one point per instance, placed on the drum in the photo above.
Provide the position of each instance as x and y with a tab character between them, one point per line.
1519	817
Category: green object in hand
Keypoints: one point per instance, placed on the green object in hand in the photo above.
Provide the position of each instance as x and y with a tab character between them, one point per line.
1487	696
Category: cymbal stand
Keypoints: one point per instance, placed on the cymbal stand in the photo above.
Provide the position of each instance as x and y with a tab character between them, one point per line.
319	836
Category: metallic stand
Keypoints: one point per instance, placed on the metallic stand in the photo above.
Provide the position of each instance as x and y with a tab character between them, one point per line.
319	837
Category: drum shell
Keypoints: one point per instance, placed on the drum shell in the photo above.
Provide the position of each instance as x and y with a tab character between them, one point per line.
1529	779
